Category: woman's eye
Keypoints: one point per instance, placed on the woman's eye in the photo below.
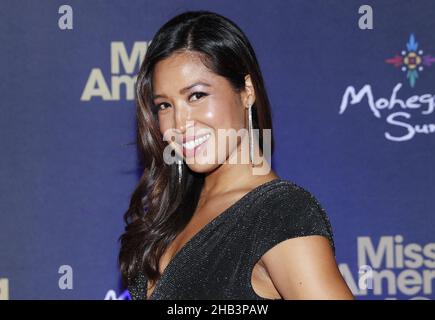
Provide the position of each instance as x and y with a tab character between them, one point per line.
198	95
160	106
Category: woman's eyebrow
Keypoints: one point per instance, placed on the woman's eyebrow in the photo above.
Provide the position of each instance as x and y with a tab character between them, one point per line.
182	91
194	85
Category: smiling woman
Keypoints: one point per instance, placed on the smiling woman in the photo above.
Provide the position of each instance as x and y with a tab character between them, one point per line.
211	228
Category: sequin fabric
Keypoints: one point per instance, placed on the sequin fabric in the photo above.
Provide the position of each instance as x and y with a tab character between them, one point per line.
217	262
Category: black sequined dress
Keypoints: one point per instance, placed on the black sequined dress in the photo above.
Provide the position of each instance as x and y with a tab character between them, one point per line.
217	262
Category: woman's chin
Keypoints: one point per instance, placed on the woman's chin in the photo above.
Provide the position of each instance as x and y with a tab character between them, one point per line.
201	166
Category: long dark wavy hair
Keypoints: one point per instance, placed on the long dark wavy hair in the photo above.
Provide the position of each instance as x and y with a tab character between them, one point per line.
160	206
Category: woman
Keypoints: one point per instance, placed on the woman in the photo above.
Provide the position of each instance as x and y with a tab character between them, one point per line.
209	227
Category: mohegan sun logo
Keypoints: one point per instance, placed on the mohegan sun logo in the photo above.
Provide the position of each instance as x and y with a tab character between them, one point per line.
412	60
402	113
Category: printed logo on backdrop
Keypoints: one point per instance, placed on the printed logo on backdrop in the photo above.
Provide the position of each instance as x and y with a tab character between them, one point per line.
111	295
397	109
117	83
4	289
412	60
390	268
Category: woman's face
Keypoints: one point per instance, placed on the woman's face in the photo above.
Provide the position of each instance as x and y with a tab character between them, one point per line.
193	102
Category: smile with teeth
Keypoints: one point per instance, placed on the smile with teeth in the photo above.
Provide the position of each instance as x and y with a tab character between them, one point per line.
193	144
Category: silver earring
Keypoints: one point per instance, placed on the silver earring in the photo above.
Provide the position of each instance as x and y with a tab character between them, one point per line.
251	135
180	170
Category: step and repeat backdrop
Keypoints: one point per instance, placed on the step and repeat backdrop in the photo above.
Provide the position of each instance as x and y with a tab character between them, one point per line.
352	89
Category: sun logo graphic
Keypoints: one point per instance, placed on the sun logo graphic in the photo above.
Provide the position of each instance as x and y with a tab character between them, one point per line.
412	60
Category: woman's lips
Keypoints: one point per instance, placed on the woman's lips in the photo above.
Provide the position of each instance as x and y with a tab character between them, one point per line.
191	147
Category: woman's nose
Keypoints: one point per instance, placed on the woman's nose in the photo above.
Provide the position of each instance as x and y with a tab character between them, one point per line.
182	117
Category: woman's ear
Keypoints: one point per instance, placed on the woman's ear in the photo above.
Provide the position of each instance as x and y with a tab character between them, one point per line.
249	92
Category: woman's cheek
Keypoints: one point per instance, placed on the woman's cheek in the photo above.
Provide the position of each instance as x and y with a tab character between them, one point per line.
215	114
164	124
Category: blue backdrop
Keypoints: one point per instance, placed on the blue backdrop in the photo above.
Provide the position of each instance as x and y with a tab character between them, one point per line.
353	113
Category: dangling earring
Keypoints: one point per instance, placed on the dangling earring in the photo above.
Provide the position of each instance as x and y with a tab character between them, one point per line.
180	170
251	135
